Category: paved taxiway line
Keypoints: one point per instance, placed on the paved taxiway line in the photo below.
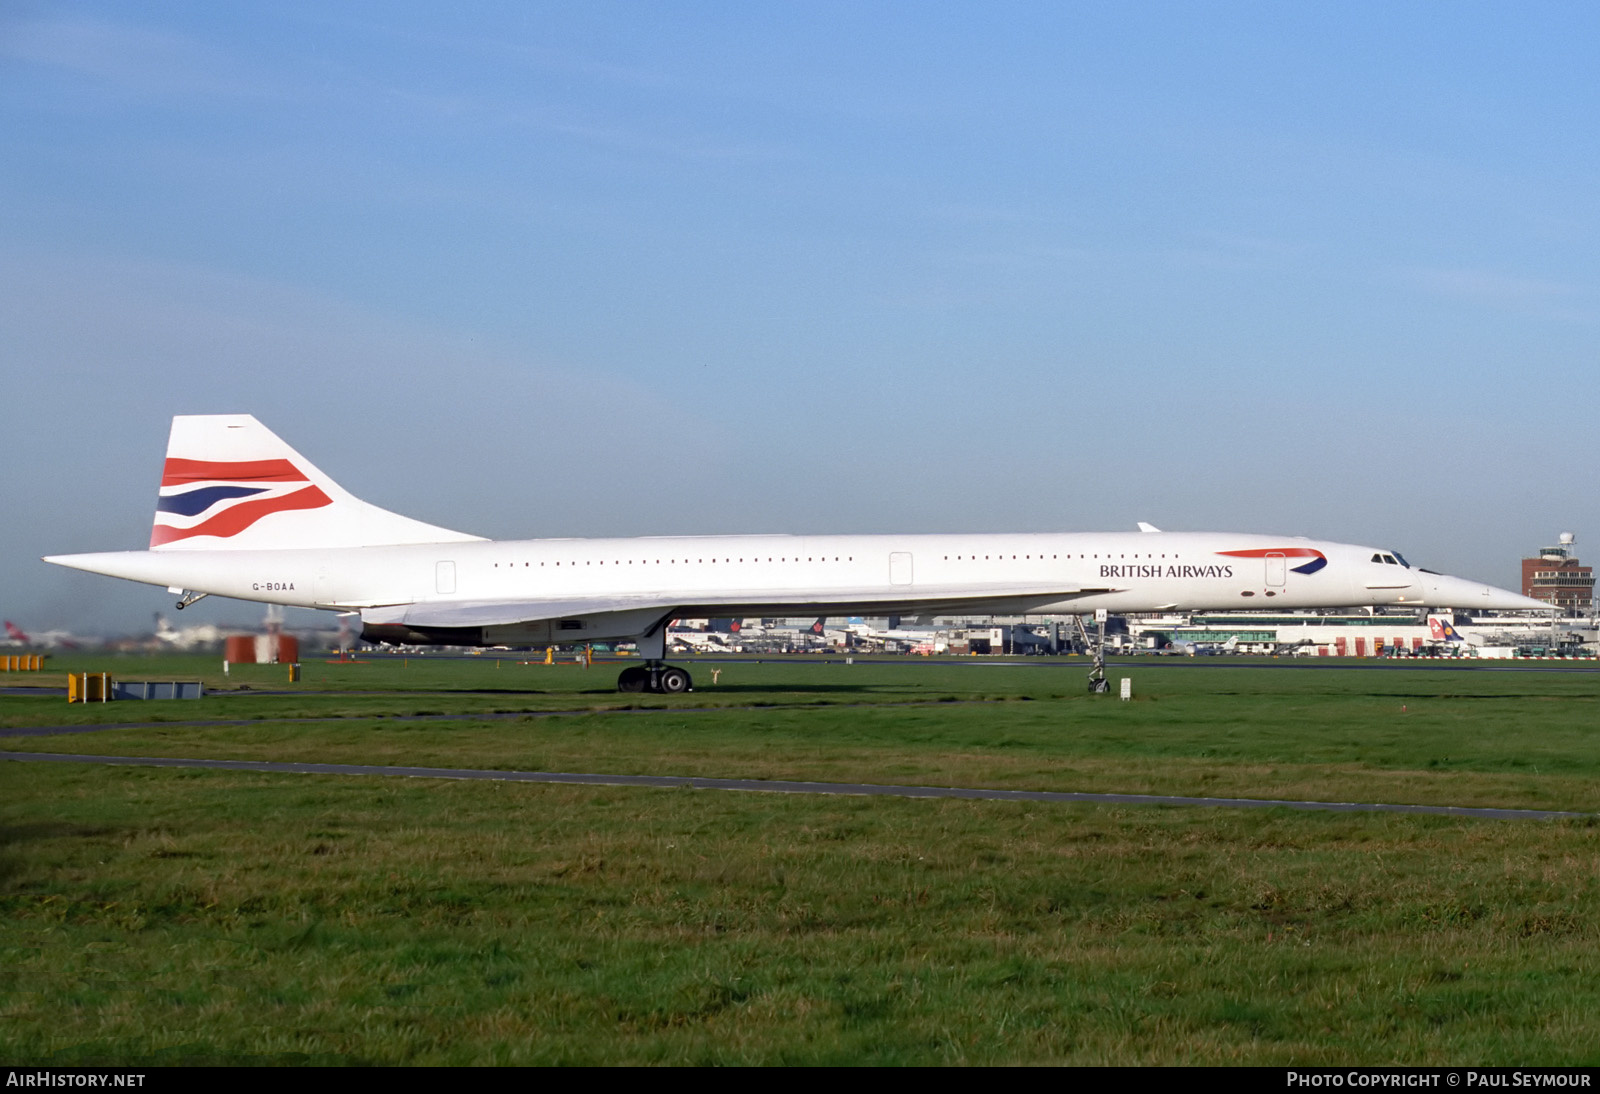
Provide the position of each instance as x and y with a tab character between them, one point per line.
779	786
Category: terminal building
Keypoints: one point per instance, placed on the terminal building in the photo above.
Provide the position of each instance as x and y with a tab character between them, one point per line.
1364	634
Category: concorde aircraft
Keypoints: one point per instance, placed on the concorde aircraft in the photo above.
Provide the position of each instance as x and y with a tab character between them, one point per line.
241	514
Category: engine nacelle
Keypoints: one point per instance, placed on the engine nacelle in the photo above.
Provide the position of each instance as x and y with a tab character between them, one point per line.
399	634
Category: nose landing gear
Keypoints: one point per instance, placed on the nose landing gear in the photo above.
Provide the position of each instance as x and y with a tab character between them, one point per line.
1098	684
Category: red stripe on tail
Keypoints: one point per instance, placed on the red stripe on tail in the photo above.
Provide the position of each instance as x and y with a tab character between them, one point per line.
181	472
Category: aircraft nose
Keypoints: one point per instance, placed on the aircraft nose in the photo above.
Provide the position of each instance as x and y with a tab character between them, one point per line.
1442	591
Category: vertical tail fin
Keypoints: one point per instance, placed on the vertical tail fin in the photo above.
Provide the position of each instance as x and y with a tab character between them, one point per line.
1441	629
231	483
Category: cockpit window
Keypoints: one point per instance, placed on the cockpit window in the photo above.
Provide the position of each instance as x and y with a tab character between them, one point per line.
1377	558
1402	559
1390	560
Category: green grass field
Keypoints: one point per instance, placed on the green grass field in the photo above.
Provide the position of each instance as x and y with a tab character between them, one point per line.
171	916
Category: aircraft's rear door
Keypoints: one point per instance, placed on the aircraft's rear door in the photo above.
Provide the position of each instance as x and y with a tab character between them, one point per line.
900	567
444	577
1277	569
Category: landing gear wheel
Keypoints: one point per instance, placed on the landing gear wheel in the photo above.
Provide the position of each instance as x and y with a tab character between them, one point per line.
633	678
674	681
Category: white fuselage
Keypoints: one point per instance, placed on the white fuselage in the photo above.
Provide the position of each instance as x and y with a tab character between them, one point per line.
1071	573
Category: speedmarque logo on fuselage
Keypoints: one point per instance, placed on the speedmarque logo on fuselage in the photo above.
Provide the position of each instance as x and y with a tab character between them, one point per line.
1317	559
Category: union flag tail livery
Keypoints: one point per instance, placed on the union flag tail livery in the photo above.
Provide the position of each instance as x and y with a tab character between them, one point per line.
230	483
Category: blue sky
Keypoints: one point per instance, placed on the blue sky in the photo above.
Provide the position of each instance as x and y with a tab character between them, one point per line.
612	269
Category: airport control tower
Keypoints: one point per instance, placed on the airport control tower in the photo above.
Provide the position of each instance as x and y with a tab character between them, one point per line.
1557	578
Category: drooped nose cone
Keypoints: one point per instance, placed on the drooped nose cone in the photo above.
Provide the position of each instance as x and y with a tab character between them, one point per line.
1443	591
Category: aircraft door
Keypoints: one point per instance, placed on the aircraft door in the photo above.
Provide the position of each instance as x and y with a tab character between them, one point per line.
900	567
444	578
1277	570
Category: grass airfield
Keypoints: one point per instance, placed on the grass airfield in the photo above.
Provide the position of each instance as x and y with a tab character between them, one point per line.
190	916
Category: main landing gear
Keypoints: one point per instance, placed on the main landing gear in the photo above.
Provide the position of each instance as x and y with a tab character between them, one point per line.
655	676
